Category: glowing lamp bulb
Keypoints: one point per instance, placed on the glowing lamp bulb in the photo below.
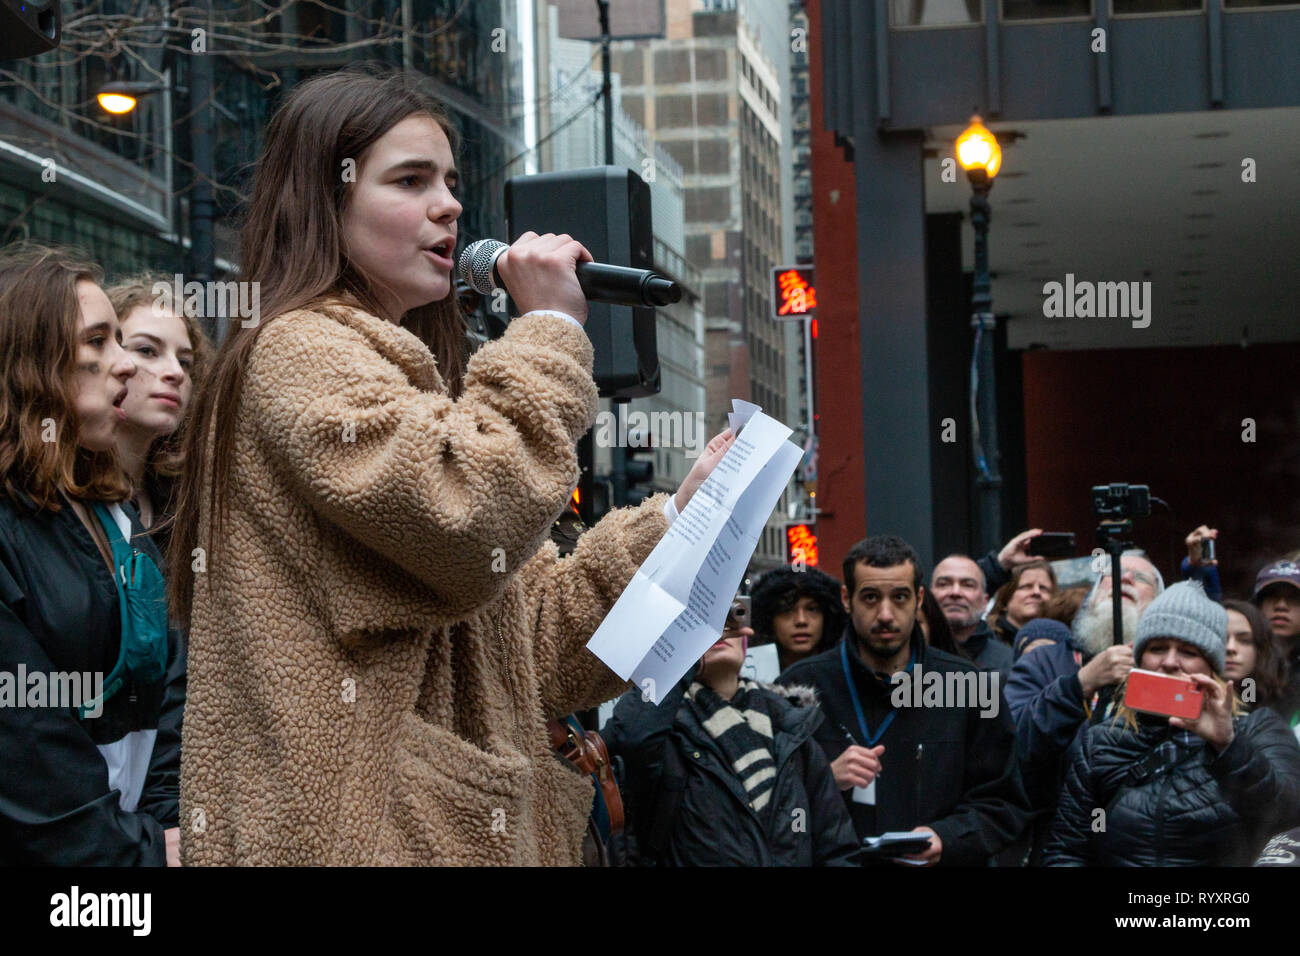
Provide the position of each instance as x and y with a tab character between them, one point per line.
977	148
117	103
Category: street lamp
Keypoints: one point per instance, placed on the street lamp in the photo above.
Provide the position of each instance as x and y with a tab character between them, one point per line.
978	151
120	97
981	156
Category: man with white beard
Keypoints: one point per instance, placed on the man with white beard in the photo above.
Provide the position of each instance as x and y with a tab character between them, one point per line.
1056	684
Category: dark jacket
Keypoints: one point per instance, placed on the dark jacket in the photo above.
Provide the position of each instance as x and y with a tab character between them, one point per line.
1207	574
686	806
947	768
1192	807
994	574
59	613
1005	632
1046	702
1288	704
987	652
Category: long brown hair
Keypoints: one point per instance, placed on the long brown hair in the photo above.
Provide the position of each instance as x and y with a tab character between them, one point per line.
165	460
1270	671
166	454
292	246
1064	605
39	321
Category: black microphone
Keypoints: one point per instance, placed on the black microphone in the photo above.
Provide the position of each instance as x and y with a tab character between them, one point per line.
614	285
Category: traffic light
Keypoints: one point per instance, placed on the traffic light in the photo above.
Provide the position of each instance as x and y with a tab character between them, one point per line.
794	292
801	544
638	472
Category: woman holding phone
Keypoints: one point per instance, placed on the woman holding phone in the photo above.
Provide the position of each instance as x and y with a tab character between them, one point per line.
1177	791
378	632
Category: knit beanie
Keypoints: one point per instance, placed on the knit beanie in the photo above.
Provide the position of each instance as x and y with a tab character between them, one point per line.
1184	613
1038	629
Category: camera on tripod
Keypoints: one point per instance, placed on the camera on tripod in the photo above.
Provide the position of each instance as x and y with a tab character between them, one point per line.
1115	506
1121	501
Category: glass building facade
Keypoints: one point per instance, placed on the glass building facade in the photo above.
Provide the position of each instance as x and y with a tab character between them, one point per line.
122	184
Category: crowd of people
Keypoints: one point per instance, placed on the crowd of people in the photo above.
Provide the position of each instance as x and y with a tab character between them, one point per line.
1063	772
307	579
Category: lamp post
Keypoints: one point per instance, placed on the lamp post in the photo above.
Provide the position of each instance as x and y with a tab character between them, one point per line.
619	457
981	157
121	97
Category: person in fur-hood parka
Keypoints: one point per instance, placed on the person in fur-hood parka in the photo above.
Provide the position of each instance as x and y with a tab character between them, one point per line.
725	772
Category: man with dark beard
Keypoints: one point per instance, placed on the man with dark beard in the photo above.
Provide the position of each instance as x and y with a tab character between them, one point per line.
1055	688
942	765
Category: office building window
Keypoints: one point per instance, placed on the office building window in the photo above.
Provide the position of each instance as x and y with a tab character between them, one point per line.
1121	7
934	13
1046	9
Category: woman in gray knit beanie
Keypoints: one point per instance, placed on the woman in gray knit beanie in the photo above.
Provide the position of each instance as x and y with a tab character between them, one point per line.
1176	792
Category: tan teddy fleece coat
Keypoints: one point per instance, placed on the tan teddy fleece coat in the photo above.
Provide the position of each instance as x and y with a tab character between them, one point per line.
364	686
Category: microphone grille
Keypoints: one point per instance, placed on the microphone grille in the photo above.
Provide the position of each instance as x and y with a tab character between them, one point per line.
476	264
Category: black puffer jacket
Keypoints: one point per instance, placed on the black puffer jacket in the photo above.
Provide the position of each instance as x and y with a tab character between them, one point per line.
687	807
1184	805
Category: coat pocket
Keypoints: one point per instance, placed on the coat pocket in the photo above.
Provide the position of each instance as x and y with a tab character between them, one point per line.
563	808
453	803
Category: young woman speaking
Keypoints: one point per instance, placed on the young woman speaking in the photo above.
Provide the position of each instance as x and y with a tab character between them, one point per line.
378	632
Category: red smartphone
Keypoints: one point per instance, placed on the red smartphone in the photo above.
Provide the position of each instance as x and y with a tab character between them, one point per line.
1155	693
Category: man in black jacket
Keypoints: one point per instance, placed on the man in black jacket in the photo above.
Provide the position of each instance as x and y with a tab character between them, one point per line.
939	763
724	772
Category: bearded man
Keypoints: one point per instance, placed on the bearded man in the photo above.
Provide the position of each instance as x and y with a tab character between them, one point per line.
1064	677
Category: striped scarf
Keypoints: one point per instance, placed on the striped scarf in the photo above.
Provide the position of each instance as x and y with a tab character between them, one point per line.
742	729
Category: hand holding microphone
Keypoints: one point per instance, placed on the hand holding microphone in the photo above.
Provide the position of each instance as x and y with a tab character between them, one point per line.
481	268
539	271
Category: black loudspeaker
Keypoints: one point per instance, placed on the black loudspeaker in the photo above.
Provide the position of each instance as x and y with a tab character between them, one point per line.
28	27
607	209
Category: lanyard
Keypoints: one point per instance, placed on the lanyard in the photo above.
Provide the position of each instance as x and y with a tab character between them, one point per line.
857	704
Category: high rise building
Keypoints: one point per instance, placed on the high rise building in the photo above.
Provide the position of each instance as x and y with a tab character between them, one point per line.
577	123
710	96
